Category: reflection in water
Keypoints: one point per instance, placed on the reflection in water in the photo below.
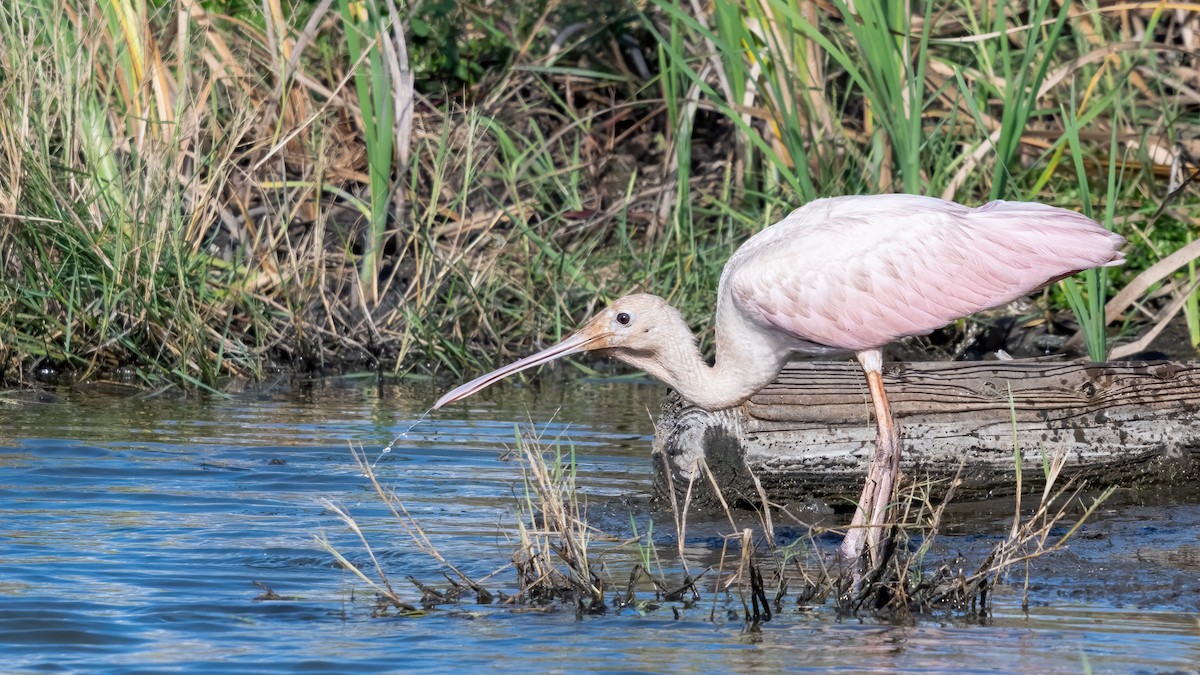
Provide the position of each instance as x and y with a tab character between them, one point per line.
134	528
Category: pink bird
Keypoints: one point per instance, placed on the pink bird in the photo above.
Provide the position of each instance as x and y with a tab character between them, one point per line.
842	274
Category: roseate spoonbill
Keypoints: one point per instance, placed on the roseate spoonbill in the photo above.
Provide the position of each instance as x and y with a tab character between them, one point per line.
843	274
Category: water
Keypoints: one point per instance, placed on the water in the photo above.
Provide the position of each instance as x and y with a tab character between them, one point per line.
135	528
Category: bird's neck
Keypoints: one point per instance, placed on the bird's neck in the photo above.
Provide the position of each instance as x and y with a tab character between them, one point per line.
745	363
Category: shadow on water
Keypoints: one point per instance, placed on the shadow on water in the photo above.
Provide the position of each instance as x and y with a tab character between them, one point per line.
135	529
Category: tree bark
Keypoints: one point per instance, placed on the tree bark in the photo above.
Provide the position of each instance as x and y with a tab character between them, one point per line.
808	435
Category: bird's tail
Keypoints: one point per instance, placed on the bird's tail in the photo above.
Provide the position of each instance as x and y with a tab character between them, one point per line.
1090	241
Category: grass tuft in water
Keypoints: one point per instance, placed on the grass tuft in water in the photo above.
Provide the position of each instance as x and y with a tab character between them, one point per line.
562	562
552	559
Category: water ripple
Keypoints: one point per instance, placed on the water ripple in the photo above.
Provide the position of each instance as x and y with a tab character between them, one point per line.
138	536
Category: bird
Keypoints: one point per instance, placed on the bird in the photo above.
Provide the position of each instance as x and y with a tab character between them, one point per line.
842	274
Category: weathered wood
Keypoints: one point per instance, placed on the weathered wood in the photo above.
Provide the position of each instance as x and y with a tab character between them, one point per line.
808	436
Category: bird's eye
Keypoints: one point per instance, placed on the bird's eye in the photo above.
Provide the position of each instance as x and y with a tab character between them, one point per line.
624	318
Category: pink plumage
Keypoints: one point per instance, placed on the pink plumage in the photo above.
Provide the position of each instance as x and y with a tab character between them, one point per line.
856	273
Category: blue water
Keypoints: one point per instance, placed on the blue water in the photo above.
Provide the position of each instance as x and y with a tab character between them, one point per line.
134	529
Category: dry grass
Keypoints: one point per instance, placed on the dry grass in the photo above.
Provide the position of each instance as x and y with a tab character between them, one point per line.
560	561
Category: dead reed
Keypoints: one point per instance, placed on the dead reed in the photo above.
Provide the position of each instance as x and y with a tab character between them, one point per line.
561	562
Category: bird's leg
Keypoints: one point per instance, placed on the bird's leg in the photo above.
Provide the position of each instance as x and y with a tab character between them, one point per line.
886	466
871	513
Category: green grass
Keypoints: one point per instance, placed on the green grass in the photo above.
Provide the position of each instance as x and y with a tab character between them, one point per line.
105	262
203	203
377	85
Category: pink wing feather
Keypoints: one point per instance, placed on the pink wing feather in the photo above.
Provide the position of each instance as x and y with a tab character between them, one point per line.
858	272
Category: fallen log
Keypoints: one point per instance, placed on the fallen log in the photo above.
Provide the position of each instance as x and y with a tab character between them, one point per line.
808	435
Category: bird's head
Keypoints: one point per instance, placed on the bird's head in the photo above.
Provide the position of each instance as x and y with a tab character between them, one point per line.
633	329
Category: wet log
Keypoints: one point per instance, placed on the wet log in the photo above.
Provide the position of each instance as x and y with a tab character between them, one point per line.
808	436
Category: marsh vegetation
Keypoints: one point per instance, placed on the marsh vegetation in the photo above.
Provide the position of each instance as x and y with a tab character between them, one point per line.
204	190
561	561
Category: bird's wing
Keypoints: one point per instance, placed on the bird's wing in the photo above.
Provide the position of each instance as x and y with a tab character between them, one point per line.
857	273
